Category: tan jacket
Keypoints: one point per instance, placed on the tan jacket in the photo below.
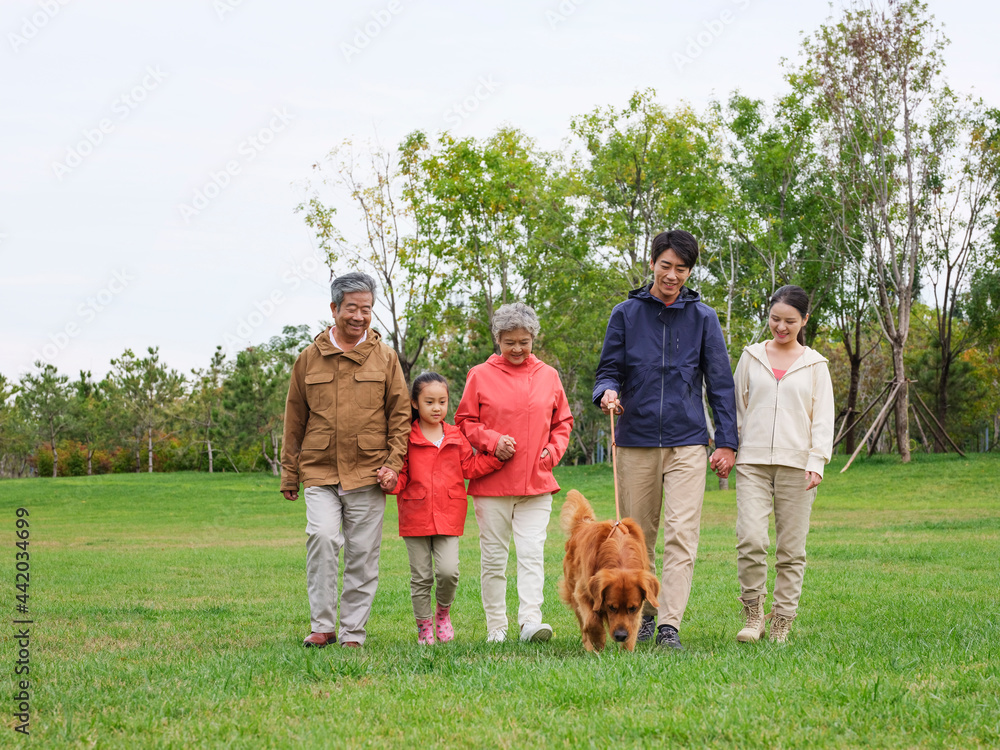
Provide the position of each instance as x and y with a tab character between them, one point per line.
346	416
787	422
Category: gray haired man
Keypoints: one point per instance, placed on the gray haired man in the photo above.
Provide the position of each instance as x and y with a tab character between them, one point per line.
347	418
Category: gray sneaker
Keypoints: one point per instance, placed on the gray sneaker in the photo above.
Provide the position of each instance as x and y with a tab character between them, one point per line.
647	630
668	637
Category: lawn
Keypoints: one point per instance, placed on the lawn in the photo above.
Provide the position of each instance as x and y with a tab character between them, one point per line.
168	611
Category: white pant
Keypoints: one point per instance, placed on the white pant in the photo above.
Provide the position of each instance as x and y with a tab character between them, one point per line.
527	517
354	522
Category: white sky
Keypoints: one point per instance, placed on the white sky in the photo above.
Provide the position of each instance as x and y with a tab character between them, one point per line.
97	255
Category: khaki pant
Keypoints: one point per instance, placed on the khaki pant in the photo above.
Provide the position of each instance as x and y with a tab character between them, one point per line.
430	555
354	522
527	518
646	476
758	489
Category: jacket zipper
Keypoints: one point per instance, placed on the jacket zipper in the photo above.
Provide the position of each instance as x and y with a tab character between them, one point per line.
663	357
774	414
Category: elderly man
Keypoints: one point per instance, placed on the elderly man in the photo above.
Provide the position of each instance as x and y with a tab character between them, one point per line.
347	419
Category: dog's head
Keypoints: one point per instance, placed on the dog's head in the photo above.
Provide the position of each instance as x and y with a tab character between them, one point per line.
618	596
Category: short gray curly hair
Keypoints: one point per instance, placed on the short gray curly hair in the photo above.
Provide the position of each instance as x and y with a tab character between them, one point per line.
355	281
513	316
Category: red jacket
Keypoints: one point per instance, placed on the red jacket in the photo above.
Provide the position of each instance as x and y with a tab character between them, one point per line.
527	402
431	487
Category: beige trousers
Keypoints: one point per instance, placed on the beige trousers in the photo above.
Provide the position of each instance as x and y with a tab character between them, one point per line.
647	476
527	518
760	488
354	522
430	556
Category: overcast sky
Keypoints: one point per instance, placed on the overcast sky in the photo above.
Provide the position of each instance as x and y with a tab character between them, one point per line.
154	153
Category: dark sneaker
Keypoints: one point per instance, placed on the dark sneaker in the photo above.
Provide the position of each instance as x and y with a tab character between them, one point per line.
647	630
668	637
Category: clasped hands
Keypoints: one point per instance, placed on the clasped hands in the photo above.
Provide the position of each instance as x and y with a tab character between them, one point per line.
507	447
722	460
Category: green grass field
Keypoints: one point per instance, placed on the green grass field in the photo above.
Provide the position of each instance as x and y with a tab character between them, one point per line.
169	612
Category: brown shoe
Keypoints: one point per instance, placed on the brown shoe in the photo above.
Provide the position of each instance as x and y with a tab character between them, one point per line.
319	640
350	644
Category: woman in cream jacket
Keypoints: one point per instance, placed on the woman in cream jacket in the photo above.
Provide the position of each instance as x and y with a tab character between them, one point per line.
785	415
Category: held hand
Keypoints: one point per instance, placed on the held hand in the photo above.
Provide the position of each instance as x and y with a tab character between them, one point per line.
506	447
386	478
722	462
812	480
610	400
290	494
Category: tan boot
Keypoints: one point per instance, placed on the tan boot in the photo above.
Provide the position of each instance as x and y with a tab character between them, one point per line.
753	618
780	625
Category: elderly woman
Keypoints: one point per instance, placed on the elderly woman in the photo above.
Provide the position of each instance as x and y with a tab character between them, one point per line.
514	407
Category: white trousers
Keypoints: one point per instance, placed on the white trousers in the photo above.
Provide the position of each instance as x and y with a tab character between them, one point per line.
354	522
526	517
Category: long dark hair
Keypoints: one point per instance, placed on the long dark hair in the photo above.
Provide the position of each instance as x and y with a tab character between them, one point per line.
417	386
797	298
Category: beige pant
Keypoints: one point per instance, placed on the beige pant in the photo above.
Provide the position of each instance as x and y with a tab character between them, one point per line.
647	474
757	486
527	518
430	555
354	522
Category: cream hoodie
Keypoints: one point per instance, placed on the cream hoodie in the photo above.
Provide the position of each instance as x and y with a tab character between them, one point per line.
788	422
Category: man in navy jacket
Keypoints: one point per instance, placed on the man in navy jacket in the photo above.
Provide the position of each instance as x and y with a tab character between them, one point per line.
662	343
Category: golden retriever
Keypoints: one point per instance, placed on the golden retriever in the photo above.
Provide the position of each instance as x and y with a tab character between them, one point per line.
606	574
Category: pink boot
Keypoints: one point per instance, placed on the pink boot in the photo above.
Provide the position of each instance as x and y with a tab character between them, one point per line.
425	633
442	624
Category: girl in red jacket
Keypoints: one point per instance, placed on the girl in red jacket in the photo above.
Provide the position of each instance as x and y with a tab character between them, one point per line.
433	503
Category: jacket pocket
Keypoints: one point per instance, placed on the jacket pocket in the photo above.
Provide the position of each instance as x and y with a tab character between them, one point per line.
372	451
319	390
315	442
369	389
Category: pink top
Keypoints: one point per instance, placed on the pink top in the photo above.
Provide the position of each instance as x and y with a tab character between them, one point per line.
778	374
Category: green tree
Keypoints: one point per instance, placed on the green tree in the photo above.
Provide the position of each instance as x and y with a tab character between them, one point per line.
16	432
45	395
203	409
254	398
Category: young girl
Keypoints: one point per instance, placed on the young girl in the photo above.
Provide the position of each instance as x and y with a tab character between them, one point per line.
784	409
433	503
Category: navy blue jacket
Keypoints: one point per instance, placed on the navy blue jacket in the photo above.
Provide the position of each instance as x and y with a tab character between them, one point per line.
655	357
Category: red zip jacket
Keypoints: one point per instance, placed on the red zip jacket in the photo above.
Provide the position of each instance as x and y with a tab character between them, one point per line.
431	487
527	402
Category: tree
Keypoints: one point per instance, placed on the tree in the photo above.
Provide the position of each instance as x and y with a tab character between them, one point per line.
203	408
149	393
92	415
16	438
874	73
254	397
410	275
45	395
965	179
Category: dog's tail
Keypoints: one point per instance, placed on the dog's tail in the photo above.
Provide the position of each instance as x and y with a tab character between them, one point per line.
575	510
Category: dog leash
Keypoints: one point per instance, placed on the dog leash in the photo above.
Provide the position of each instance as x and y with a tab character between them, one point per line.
614	473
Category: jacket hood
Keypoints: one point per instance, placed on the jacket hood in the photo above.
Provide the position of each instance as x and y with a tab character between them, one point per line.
809	357
685	297
326	347
530	363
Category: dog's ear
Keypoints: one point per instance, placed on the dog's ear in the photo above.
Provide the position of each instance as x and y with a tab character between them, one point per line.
598	582
650	588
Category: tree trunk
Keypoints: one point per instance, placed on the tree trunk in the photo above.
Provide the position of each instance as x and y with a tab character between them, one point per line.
210	462
90	461
852	401
55	460
149	434
942	401
902	405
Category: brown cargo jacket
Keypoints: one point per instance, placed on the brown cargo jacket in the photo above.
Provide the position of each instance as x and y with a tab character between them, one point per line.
346	416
